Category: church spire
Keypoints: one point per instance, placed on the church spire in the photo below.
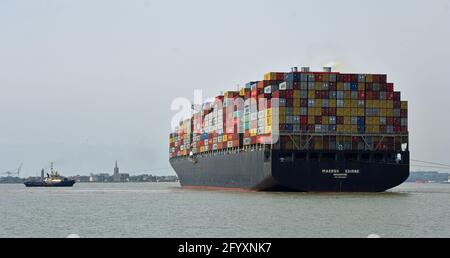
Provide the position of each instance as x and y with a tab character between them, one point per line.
116	169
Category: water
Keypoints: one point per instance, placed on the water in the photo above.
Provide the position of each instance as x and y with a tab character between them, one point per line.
166	210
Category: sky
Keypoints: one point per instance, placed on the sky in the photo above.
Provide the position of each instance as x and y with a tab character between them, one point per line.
84	83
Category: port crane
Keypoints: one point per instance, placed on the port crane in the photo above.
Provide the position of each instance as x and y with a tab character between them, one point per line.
13	173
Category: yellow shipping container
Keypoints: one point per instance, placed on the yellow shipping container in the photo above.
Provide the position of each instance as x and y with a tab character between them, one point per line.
376	120
318	86
296	111
269	120
354	103
376	129
242	92
332	103
369	104
325	77
224	138
325	120
404	104
354	111
340	128
318	146
270	76
361	112
318	111
253	132
340	86
383	112
311	94
296	94
369	78
354	128
311	120
389	104
340	111
347	103
347	128
376	104
383	104
347	120
361	86
282	111
268	129
269	112
311	111
389	112
282	119
318	103
347	94
347	111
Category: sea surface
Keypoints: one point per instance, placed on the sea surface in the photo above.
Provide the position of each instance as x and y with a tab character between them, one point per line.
166	210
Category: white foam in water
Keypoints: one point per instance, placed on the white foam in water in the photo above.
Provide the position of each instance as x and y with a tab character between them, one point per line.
373	236
73	236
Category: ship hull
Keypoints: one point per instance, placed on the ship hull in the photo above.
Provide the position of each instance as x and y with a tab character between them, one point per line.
260	170
68	183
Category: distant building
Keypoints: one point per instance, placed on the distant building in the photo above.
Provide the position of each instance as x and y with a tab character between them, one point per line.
101	178
120	177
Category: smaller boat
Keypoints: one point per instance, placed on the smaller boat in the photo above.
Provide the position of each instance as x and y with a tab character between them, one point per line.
51	180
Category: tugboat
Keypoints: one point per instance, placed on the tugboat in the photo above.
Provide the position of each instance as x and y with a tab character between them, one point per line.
51	180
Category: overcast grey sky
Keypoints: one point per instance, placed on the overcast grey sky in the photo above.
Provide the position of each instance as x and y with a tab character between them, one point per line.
84	83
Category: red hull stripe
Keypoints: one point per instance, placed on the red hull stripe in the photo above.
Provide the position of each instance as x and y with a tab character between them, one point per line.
217	188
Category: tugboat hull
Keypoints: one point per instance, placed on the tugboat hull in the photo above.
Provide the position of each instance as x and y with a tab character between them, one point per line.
67	183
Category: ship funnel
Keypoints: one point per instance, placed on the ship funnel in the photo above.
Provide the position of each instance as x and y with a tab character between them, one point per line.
294	69
327	69
305	69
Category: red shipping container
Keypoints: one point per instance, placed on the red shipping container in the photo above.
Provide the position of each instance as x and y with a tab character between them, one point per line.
390	87
318	77
280	76
311	128
404	129
340	120
318	120
383	87
304	120
390	95
289	94
397	104
361	95
325	94
397	95
325	112
389	120
332	111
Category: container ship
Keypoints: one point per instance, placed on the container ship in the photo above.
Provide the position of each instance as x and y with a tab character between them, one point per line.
297	131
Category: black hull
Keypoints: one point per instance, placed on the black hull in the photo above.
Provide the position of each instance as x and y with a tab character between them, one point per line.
67	183
296	171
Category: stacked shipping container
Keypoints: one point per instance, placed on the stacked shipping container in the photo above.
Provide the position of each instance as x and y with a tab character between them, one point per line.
313	111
